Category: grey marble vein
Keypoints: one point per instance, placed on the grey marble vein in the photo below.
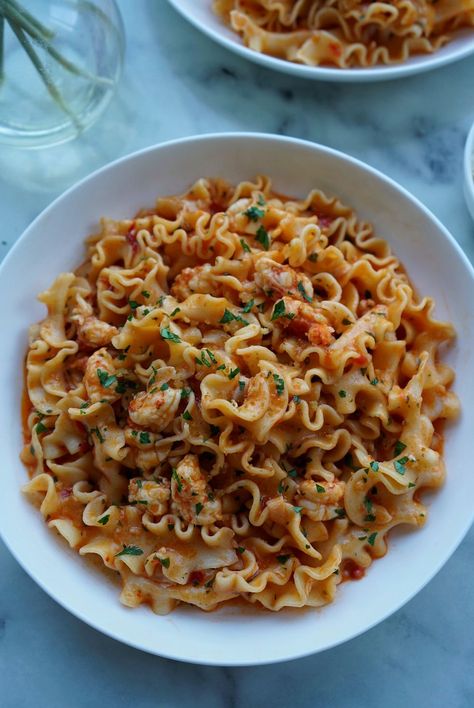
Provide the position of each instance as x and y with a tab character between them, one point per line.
177	83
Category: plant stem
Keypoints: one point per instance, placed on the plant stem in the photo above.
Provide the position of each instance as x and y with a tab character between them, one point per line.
2	47
14	15
28	17
48	82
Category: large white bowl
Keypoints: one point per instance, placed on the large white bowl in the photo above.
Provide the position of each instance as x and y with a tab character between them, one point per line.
469	171
53	243
201	15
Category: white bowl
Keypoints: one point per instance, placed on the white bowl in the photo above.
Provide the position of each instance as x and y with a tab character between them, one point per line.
201	15
54	242
469	171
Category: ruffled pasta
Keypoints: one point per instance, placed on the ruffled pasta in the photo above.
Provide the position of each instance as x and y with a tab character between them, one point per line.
237	395
345	33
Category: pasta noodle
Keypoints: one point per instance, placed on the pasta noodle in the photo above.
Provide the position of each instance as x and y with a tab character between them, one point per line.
236	395
345	33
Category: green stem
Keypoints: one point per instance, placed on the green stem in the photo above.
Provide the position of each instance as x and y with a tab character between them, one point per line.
15	16
48	82
2	47
46	33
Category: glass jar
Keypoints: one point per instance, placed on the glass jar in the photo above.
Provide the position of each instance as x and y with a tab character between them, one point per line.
62	60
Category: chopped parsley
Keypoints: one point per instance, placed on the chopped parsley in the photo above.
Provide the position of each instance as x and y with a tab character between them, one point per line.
342	393
399	447
279	384
410	484
175	311
298	509
187	415
185	393
372	537
221	367
345	321
293	474
145	293
374	466
133	304
340	513
263	237
144	438
203	361
261	200
240	549
281	487
249	306
369	507
283	559
241	384
199	507
211	356
400	464
245	245
84	405
234	373
40	427
165	562
106	380
374	382
130	551
100	437
229	316
320	489
313	257
296	399
104	519
166	334
303	291
177	479
280	311
254	213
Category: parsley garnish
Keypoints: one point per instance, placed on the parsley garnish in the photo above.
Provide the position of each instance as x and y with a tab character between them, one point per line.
85	405
100	437
133	304
279	384
400	464
342	393
145	293
104	519
281	487
229	316
234	373
254	213
410	484
320	489
303	291
297	399
369	506
240	549
199	507
248	306
40	428
130	551
144	438
293	474
185	393
374	466
374	382
177	479
106	380
221	367
165	562
340	513
297	509
283	559
280	311
166	334
164	387
245	245
241	385
313	257
263	237
187	415
372	537
261	200
345	321
175	311
399	447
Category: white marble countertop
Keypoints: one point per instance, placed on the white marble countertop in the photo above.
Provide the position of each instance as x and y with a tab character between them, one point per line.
178	83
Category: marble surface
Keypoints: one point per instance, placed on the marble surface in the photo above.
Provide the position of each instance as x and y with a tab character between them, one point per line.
176	83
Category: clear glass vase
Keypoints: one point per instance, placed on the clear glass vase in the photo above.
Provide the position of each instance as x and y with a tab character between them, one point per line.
59	67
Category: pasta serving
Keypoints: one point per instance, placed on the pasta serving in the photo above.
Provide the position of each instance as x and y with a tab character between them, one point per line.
345	33
236	395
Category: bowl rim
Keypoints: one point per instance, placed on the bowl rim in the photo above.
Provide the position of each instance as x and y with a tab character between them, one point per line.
426	62
7	534
469	171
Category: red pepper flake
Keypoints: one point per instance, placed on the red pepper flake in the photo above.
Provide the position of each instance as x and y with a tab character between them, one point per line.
352	571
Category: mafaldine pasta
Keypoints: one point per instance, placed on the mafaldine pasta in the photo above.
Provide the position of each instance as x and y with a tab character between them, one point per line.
236	395
345	33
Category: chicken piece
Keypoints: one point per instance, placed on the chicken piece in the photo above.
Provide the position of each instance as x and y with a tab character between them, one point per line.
195	280
192	496
321	505
99	379
156	410
277	280
154	496
303	320
94	333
